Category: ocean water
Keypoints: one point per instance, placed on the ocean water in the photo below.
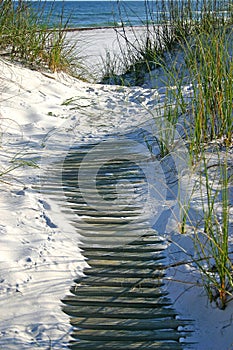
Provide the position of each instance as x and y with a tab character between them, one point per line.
95	14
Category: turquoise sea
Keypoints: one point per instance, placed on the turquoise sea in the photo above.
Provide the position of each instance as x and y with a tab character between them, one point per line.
93	14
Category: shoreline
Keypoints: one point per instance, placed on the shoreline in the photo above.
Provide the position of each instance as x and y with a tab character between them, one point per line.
78	29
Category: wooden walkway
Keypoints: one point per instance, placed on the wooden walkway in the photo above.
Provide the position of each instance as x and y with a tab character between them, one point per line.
120	303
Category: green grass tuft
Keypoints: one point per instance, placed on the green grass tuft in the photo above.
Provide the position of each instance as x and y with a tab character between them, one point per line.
25	38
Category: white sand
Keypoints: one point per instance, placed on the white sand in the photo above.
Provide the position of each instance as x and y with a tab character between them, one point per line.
39	250
92	46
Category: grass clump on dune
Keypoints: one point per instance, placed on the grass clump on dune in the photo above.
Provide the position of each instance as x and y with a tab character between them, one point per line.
168	23
190	44
26	38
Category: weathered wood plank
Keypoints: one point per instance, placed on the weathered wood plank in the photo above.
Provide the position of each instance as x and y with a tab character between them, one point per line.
130	345
118	312
130	324
106	291
115	302
119	282
119	256
127	248
102	273
127	264
136	336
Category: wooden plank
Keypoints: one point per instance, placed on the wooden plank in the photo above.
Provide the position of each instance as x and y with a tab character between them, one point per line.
136	336
119	256
118	312
117	291
126	264
130	345
115	302
82	225
126	248
109	220
119	282
124	273
117	324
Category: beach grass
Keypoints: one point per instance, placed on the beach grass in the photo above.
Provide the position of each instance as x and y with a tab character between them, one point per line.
212	244
208	66
25	38
193	46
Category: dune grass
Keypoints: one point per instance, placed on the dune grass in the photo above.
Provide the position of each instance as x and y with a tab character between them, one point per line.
192	46
208	70
167	24
212	243
24	37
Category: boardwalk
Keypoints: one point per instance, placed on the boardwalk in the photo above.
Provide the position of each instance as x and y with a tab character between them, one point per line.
120	303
